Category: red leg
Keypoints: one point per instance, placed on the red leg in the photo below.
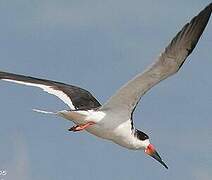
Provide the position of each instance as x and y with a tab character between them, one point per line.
81	127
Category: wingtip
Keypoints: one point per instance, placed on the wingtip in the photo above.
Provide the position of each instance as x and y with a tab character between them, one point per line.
209	6
207	10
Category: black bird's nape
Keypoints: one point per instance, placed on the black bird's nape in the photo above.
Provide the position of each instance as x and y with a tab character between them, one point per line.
141	135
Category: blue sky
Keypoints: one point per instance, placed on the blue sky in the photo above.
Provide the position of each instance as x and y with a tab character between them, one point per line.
99	45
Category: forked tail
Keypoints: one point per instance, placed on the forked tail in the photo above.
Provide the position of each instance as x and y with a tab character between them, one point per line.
45	112
63	113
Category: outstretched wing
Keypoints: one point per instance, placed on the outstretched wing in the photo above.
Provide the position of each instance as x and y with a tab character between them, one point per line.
169	62
75	97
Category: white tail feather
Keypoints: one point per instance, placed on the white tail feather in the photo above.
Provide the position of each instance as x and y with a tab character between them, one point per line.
44	112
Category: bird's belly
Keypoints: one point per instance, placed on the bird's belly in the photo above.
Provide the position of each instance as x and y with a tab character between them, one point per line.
120	135
100	131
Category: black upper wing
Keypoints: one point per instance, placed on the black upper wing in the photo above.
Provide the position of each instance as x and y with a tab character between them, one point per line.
75	97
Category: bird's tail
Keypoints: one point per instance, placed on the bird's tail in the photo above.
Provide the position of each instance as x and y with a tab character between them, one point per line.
62	113
45	112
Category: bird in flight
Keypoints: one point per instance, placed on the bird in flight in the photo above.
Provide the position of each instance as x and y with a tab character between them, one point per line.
114	119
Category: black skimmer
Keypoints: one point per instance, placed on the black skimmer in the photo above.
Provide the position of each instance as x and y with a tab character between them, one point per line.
113	120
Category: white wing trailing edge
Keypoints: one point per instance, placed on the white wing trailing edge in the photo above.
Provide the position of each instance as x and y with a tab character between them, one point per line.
75	97
60	94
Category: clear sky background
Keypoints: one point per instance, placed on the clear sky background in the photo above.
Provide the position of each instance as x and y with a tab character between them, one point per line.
99	45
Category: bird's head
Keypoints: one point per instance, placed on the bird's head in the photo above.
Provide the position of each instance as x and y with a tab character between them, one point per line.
148	147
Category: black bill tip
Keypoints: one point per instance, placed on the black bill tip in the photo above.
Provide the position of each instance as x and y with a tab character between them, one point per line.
156	156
